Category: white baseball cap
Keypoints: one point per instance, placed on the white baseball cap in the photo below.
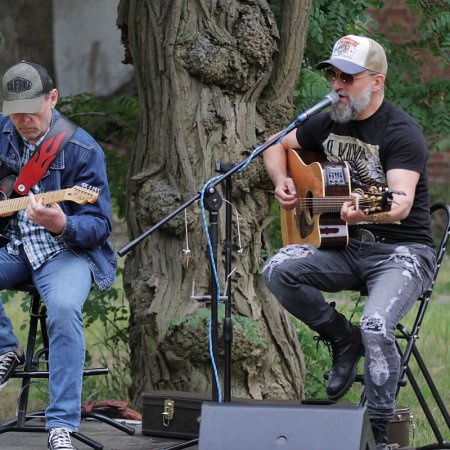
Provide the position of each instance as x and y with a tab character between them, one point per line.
353	54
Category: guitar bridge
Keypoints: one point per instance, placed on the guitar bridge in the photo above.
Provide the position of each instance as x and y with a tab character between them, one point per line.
335	175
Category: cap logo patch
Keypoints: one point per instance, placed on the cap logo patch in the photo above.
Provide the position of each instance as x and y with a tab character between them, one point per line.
18	84
345	47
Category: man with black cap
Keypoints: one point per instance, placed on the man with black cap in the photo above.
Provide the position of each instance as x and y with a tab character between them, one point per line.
61	248
390	252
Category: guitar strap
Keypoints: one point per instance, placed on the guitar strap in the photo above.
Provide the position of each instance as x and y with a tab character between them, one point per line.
56	139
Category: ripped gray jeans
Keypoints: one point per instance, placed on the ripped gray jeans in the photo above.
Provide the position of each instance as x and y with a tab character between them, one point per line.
395	275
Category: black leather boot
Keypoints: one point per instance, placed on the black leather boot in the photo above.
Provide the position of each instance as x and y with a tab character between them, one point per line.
380	429
346	345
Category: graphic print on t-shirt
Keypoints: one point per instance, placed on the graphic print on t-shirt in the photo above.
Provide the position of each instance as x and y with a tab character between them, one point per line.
364	158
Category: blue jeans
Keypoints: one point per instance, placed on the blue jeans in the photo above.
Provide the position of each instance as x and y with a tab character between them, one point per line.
394	274
64	283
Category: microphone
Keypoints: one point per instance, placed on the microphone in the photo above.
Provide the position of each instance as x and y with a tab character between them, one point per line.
328	100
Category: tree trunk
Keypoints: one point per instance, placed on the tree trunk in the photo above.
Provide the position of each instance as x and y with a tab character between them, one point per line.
201	69
26	27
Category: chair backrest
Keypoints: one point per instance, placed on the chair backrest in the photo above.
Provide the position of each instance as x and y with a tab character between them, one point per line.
440	217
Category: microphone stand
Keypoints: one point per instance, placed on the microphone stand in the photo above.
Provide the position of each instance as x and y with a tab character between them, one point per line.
213	202
227	321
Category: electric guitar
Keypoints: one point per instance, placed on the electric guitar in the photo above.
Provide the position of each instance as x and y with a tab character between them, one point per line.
9	206
322	188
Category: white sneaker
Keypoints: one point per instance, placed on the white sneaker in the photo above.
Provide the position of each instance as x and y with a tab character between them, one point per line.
59	439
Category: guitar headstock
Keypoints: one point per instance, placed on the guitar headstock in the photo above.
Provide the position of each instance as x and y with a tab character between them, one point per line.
375	199
82	194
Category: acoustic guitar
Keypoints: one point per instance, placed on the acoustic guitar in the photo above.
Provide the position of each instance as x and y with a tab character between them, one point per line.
322	188
8	206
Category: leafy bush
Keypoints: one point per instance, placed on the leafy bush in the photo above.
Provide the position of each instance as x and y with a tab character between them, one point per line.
114	124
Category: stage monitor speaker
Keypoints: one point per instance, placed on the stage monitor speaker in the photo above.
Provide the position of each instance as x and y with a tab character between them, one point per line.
262	426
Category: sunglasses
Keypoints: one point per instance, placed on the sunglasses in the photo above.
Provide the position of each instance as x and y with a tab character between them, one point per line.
346	78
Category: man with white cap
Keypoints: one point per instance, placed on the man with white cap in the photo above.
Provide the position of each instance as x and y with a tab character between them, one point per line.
390	253
61	248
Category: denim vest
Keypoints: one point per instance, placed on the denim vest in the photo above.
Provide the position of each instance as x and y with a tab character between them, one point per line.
88	226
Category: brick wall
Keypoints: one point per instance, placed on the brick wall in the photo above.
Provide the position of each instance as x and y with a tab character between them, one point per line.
398	24
439	168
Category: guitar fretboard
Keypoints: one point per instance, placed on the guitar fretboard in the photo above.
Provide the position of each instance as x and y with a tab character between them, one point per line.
19	203
319	205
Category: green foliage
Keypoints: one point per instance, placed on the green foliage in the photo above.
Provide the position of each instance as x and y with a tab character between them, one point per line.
331	20
312	86
199	320
112	120
251	329
114	124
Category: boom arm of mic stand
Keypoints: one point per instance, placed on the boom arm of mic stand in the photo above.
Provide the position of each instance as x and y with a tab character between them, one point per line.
128	247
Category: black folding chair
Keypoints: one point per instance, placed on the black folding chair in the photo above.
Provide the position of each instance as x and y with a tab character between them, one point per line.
34	360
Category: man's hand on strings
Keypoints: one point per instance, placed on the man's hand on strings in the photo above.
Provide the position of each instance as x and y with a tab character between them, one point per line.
285	193
49	216
350	213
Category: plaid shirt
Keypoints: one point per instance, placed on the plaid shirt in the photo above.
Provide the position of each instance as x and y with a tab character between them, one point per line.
38	243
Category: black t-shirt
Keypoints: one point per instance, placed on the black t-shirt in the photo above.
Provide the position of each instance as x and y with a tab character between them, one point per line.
389	139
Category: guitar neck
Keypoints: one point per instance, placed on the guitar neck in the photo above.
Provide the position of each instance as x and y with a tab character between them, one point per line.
325	204
19	203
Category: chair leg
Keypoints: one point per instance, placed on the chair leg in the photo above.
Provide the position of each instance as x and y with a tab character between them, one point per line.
440	442
29	366
109	421
87	440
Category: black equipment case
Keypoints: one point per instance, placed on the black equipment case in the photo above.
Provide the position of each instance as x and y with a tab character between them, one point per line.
174	414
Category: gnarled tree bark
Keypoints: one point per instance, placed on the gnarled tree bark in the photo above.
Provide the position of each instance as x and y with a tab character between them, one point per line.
214	78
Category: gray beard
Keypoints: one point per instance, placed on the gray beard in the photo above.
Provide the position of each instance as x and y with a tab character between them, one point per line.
344	113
